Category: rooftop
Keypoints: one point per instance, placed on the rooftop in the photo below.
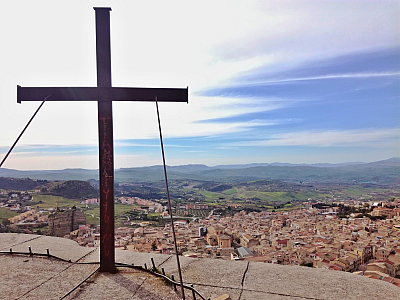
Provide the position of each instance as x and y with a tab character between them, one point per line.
25	277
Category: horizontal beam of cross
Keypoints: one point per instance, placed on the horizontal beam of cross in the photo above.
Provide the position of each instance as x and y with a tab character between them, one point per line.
101	94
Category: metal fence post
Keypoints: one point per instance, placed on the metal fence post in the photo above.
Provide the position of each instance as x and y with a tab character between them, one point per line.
193	293
173	279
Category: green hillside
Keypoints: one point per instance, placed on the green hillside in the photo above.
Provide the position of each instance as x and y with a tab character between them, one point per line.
71	189
381	172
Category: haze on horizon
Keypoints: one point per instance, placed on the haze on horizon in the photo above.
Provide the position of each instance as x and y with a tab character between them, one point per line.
269	81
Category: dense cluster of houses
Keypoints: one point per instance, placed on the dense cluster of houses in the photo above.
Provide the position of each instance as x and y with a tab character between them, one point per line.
309	236
16	201
20	202
29	216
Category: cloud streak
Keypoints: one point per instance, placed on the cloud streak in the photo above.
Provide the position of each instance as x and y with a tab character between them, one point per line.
329	138
331	76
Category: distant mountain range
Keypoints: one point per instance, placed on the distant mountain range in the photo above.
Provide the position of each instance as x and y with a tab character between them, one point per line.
379	172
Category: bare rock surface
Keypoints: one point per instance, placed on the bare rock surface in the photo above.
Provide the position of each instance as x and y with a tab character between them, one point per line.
60	247
26	277
126	284
19	275
61	283
308	283
11	240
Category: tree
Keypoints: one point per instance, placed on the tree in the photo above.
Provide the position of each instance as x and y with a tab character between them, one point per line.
309	264
6	222
154	246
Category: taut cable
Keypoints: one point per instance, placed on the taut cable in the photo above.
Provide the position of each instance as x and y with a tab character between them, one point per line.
22	132
169	204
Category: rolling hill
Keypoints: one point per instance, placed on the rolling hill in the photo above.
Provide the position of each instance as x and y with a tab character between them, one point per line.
380	172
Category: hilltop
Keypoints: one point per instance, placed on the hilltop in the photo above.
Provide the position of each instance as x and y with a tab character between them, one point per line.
71	189
20	184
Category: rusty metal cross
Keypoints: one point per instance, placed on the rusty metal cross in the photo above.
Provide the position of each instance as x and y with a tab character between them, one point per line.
104	94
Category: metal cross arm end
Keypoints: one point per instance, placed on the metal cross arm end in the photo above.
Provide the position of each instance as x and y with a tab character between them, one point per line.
102	94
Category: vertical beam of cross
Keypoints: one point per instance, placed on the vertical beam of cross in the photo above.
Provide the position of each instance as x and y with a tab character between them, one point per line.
106	145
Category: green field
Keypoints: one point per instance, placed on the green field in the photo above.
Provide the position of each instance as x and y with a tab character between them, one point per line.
119	209
356	192
93	213
289	207
6	213
230	191
266	196
49	201
237	193
154	215
92	220
211	195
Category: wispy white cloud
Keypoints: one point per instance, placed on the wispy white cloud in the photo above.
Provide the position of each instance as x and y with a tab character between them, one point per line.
59	161
313	29
213	129
329	138
331	76
51	162
132	144
136	144
179	120
195	151
51	153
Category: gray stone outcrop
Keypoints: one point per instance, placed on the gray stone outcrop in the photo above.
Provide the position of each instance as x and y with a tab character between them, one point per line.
63	222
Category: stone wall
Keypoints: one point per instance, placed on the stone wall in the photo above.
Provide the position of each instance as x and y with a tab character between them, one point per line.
63	222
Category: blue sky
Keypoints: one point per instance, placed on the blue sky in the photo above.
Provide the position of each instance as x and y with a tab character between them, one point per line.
269	81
